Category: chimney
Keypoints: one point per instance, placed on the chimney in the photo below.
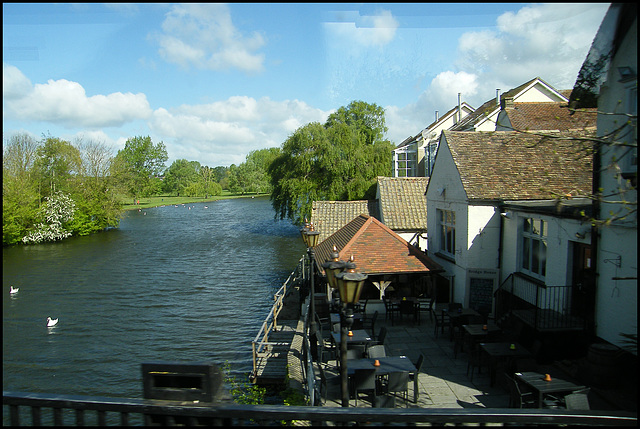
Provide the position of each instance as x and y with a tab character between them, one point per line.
459	109
498	97
436	116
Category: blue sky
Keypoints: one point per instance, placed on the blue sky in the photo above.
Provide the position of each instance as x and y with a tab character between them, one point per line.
217	81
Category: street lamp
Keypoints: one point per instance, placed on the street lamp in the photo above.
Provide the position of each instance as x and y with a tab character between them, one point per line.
349	284
333	266
310	237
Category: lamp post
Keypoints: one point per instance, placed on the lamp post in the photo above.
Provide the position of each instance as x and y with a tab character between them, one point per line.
349	284
310	237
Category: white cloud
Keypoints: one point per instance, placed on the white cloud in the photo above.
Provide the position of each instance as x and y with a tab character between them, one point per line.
203	36
224	132
66	103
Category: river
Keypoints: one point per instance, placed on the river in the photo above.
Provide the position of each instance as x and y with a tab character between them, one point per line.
186	283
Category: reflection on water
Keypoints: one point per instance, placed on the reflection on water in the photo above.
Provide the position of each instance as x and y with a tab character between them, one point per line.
179	283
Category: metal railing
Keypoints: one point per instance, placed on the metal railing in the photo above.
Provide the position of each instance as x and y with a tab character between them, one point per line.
542	306
261	341
37	405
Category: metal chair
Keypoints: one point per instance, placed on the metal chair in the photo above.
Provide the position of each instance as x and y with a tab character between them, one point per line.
363	380
578	400
390	310
376	351
370	324
397	382
382	335
412	377
477	359
519	398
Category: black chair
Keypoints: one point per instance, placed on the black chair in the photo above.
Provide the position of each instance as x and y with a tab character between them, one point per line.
427	306
370	324
410	308
477	359
396	382
439	324
376	351
390	310
382	335
363	380
578	400
412	377
519	398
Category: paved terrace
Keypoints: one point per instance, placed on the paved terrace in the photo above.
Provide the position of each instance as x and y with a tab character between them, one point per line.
443	380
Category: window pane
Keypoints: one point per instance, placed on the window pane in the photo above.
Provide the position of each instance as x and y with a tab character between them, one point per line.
543	258
525	253
535	254
527	225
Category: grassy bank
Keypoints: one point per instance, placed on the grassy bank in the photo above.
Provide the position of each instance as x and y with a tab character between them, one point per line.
165	200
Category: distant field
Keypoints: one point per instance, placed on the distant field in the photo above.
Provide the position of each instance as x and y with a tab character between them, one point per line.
161	200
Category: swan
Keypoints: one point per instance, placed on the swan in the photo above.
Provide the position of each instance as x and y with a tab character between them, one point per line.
13	290
51	322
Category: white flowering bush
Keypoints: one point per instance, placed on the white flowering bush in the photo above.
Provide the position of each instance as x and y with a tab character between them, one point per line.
57	209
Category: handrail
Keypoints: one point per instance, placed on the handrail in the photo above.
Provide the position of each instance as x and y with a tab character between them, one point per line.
225	414
270	323
552	305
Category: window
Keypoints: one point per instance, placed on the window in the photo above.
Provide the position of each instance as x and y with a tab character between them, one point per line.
406	163
447	231
534	247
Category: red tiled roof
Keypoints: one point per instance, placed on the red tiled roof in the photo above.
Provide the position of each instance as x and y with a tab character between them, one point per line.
376	249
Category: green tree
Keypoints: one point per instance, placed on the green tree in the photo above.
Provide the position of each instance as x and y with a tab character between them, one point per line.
58	164
181	175
57	211
139	164
339	160
20	197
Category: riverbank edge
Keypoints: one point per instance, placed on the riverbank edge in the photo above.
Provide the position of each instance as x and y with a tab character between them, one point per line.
167	200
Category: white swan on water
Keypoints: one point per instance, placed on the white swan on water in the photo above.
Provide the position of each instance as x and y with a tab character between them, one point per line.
13	290
51	322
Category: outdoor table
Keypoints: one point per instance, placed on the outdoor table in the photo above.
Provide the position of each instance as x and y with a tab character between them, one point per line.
537	383
456	316
503	351
477	334
388	365
360	336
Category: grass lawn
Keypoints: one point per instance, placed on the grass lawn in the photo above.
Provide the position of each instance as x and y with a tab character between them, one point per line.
165	200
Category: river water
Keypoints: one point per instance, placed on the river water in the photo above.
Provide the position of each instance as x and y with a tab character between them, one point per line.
187	283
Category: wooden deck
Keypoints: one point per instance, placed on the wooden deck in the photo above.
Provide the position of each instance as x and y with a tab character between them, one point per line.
272	364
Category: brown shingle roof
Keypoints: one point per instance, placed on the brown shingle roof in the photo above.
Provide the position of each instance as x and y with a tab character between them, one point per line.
504	165
403	206
329	216
376	249
550	116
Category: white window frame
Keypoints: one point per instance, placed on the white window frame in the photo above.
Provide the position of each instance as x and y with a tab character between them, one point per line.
447	232
533	248
406	162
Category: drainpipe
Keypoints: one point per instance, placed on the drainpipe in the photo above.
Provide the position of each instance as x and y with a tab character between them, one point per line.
595	233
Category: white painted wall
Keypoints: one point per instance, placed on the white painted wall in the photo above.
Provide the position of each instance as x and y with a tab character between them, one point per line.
616	300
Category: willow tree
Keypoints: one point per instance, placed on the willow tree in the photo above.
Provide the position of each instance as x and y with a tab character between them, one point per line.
339	160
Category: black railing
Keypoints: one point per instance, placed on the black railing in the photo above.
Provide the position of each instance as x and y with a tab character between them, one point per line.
542	306
181	413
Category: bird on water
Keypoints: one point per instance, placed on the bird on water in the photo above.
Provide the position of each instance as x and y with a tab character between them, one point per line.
51	322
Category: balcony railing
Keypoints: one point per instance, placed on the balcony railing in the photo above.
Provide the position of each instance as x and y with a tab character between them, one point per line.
542	306
48	409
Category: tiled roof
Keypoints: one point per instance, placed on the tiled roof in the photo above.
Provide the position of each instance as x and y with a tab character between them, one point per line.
550	116
329	216
502	165
376	249
403	206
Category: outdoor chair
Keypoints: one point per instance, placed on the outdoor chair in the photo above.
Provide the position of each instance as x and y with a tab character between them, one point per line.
409	308
382	335
518	398
396	382
477	359
363	380
376	351
390	310
412	377
578	400
370	324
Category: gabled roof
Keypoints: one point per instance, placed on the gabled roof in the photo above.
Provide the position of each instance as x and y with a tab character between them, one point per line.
506	165
549	116
329	216
491	107
403	206
376	249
